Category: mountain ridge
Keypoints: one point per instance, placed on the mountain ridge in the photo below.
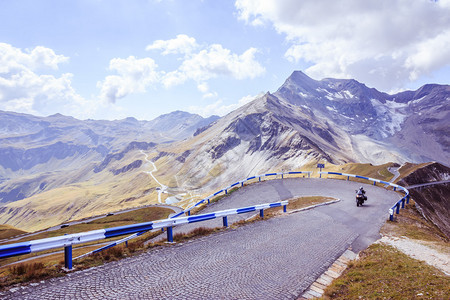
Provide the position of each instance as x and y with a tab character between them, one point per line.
332	121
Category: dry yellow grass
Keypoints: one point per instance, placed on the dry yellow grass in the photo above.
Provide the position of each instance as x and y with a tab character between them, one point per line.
7	231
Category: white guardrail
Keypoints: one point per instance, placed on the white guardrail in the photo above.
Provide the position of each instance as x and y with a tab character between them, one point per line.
67	241
396	206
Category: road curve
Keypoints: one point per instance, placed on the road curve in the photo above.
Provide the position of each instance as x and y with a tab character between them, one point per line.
272	259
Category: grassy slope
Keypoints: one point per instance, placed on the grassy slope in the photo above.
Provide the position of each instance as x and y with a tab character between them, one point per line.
7	231
101	194
382	272
408	168
137	216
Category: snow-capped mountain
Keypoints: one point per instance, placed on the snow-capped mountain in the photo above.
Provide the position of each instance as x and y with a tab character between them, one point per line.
305	121
403	121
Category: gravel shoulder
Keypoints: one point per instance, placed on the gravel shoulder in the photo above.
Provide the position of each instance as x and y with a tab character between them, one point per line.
418	250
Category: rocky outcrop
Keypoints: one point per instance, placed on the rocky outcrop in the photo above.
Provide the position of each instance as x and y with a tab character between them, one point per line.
118	156
432	201
18	158
134	165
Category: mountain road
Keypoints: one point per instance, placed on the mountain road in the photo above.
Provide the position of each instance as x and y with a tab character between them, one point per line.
277	258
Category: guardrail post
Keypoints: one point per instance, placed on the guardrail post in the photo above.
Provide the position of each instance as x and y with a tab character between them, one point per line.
320	175
348	178
126	244
226	192
407	199
398	208
261	213
374	183
259	178
395	188
225	221
403	203
189	212
284	208
68	256
242	184
170	234
208	201
282	176
391	214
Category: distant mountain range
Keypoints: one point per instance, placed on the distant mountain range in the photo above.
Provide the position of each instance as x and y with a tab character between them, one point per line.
304	122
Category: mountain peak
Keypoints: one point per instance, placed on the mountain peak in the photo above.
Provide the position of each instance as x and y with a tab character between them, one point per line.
299	77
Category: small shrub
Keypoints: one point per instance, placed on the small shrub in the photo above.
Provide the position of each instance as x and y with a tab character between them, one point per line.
135	246
21	269
200	231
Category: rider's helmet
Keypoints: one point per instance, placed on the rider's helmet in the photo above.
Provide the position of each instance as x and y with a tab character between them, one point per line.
361	188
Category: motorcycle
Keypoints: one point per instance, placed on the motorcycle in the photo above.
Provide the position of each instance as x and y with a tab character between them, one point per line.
360	198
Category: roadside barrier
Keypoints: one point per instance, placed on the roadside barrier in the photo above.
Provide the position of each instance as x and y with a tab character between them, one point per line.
66	241
207	199
396	206
224	191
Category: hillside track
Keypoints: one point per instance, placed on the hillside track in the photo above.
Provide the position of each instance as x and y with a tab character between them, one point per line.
276	258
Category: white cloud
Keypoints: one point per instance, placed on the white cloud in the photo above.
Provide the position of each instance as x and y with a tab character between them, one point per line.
198	63
214	61
220	109
383	43
203	87
23	89
182	44
134	76
14	59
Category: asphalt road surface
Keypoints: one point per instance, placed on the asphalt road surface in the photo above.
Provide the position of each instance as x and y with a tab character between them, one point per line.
272	259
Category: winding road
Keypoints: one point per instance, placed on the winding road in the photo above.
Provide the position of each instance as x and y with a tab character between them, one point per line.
276	258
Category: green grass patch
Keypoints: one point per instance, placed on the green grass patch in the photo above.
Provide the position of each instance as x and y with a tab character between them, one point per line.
382	272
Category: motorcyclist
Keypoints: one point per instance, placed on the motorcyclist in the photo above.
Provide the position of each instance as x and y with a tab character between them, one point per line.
362	192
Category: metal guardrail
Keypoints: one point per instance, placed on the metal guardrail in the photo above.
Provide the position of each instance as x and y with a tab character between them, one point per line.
207	199
225	190
67	241
396	206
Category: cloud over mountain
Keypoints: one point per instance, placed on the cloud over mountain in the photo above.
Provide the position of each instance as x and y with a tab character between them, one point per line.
199	63
383	43
27	82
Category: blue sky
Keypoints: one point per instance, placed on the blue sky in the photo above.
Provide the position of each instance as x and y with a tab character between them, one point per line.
143	58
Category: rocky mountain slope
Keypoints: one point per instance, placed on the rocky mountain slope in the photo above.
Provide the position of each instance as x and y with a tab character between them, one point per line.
306	121
415	123
433	201
266	134
36	151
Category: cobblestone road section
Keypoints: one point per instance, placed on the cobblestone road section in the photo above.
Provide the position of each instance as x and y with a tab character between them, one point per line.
273	259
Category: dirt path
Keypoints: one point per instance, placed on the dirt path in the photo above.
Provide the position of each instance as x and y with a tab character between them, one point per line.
419	251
